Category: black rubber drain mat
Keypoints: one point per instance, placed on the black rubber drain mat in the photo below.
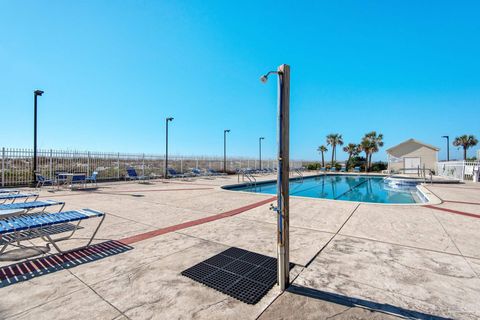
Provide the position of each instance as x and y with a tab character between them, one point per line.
243	275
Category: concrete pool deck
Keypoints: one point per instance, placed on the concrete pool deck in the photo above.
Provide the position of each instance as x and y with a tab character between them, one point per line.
353	260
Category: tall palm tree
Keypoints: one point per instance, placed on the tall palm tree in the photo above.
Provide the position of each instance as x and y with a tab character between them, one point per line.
465	141
352	149
377	143
322	149
366	146
334	139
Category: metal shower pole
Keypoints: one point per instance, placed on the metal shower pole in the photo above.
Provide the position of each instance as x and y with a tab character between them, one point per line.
283	195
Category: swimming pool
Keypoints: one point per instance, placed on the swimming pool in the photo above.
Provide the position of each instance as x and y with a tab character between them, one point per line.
343	187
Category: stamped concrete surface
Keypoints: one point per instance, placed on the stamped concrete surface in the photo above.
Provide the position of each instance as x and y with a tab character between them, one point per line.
353	260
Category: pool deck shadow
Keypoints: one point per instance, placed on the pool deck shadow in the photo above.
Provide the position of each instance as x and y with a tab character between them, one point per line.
362	303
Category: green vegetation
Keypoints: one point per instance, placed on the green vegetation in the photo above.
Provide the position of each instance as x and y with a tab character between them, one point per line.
333	140
465	141
353	150
322	149
370	143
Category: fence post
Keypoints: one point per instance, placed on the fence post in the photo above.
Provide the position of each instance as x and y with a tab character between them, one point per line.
118	166
50	165
88	163
3	166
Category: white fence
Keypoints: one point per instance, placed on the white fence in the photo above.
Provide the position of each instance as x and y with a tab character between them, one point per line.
17	164
461	170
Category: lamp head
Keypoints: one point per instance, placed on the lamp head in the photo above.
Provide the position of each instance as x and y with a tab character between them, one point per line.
261	138
38	92
264	78
227	130
169	119
445	137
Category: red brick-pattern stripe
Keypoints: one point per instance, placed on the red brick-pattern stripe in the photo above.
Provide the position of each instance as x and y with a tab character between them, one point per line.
155	233
472	215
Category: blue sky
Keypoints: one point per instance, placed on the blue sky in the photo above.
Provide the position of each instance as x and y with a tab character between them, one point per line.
113	70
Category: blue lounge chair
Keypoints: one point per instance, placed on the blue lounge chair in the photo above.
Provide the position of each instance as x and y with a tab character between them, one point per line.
215	173
132	175
32	205
356	169
11	226
172	173
93	178
15	196
342	169
196	172
41	180
4	191
333	169
80	178
323	169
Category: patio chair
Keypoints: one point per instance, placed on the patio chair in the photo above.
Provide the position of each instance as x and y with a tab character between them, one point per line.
16	228
215	173
60	179
93	178
342	169
78	179
132	175
333	169
41	180
196	172
323	169
32	205
172	173
356	169
15	196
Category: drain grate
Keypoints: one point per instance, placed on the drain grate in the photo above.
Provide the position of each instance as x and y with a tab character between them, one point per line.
243	275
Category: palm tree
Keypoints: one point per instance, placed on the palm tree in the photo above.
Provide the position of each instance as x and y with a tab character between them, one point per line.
352	149
377	143
465	141
366	146
322	149
333	140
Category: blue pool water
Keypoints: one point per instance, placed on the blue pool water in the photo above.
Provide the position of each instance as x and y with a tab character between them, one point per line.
344	187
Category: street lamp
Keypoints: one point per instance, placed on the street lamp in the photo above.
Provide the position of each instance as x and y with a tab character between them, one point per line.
283	196
36	93
166	146
225	149
260	151
448	147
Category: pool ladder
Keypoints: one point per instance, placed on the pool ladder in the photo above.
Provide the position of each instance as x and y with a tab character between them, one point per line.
251	179
300	174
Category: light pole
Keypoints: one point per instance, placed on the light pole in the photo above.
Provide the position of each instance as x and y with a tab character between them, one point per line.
166	145
36	93
260	151
225	149
448	146
283	196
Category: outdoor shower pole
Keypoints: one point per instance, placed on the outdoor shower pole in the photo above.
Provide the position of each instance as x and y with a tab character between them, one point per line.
36	93
225	149
166	145
260	151
448	147
283	195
